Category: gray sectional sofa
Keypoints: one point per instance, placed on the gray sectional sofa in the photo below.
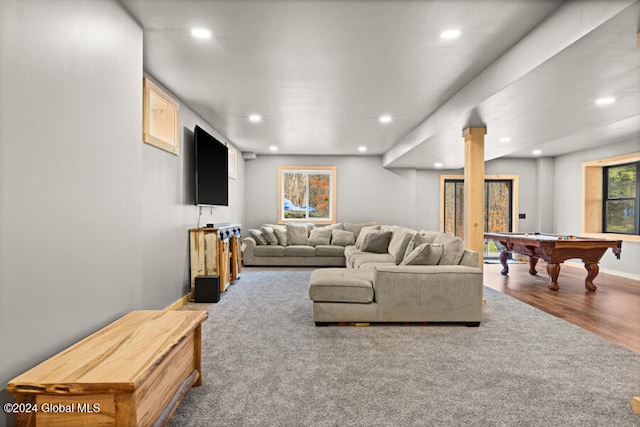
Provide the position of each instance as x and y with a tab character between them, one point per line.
392	274
299	244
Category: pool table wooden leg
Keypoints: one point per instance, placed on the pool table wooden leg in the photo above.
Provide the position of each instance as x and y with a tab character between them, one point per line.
504	256
554	271
532	265
592	272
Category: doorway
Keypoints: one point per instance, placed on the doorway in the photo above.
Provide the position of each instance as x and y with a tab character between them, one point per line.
499	208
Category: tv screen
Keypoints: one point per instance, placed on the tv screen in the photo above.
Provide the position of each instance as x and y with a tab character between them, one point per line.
212	175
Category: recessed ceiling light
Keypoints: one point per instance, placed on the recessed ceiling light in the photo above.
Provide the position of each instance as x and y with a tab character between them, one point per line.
255	118
605	101
450	34
273	148
437	164
385	119
536	152
362	149
201	33
505	139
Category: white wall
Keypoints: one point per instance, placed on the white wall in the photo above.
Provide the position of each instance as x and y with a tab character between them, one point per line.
528	200
93	222
169	211
545	175
365	190
70	174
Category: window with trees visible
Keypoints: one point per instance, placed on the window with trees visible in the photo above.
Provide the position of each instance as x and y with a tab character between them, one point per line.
306	194
498	208
597	204
621	192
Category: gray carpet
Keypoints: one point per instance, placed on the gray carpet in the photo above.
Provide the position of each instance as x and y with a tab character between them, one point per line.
266	364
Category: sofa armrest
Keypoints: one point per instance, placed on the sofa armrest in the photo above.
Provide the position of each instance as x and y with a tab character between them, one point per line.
444	289
248	252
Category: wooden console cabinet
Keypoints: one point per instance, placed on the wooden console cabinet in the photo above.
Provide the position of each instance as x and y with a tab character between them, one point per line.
215	251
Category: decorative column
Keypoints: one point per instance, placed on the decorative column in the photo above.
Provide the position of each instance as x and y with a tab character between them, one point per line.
474	189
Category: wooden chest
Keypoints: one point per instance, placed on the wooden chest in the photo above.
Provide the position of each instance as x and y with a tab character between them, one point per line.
133	372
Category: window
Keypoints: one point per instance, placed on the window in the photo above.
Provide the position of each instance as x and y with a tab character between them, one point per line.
307	194
621	199
497	210
601	199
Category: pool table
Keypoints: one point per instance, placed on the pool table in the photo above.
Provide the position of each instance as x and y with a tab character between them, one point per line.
554	250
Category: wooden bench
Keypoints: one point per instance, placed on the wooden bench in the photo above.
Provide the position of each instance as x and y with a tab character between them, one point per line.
133	372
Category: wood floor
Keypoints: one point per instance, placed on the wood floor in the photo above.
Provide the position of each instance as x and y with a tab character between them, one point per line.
612	311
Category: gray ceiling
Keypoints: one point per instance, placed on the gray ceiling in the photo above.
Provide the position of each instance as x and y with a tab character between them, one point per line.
321	72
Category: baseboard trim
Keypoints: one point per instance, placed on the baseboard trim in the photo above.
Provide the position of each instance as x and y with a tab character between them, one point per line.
607	271
179	303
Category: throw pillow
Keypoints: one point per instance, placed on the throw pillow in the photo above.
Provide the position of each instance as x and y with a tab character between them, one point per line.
258	237
376	241
453	249
424	254
281	235
336	226
363	233
269	235
310	226
399	241
356	228
342	238
297	234
419	238
429	236
320	236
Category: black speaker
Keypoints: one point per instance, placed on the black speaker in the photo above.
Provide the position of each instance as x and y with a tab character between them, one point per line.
207	289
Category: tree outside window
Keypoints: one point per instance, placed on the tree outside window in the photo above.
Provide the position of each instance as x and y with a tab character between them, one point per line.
621	199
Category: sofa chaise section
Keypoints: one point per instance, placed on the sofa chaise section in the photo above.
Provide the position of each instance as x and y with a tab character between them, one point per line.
439	293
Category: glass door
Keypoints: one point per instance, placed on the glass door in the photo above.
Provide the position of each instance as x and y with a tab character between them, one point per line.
498	209
498	217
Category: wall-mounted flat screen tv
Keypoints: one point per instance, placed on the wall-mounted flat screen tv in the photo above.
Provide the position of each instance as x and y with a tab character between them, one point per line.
212	174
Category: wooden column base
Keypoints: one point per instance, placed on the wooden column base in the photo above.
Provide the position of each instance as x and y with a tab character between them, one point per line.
635	404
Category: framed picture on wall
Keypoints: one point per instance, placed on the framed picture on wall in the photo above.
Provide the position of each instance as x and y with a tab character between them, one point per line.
160	118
